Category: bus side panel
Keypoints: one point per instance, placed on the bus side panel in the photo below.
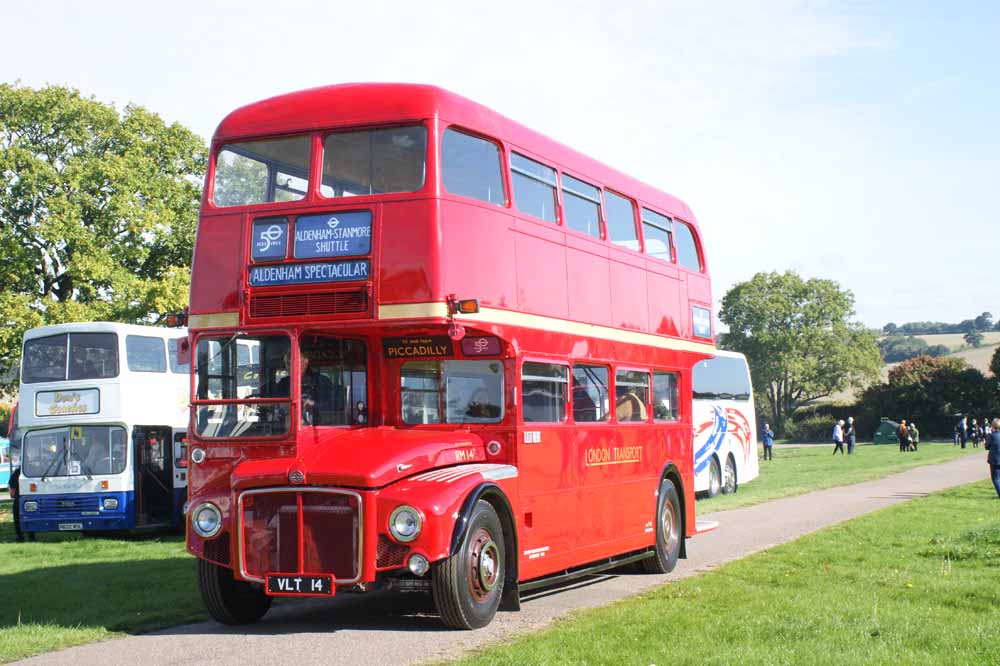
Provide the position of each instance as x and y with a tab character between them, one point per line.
724	427
486	241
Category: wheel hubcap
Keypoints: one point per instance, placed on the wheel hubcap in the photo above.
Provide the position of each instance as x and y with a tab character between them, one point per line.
713	482
483	565
668	527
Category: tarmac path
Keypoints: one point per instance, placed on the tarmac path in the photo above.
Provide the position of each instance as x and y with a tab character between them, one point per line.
384	629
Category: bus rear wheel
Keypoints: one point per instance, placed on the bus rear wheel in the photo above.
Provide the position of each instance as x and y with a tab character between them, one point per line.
729	481
468	585
228	600
714	477
668	531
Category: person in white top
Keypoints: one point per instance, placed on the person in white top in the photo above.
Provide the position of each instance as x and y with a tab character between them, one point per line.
838	437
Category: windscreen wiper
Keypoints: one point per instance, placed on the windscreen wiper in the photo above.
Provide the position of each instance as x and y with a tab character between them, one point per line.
55	460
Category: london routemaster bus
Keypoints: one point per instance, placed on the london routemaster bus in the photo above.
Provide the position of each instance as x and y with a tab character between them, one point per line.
101	420
474	351
725	424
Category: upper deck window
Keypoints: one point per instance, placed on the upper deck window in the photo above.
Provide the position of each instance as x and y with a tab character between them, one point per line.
175	367
145	354
377	161
260	171
534	187
687	249
620	215
656	231
91	356
470	167
583	206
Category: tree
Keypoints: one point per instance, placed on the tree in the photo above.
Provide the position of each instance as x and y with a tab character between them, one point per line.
97	212
973	338
984	322
995	363
798	339
890	329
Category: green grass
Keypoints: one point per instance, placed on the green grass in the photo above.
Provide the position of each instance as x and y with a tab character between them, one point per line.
912	584
66	590
806	468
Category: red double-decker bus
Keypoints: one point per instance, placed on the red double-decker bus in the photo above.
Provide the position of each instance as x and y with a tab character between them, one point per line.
433	350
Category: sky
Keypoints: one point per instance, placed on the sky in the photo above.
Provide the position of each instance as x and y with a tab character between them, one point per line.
853	141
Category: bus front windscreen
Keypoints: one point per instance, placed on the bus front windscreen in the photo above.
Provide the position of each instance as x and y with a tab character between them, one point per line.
249	373
74	451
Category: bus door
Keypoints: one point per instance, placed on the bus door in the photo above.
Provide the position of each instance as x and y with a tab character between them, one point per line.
154	471
548	480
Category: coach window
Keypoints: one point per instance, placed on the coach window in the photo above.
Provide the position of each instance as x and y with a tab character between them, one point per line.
665	396
582	206
470	167
631	395
534	187
619	214
543	386
145	354
656	230
590	393
687	249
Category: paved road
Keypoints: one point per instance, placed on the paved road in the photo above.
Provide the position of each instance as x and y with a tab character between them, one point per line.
390	629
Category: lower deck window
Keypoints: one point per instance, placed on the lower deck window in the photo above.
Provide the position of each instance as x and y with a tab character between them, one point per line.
452	392
631	395
665	396
544	388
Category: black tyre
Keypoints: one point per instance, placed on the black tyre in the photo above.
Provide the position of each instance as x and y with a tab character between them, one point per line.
714	478
729	480
669	531
468	585
228	600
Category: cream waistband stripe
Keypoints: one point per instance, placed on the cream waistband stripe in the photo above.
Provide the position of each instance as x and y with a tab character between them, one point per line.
511	318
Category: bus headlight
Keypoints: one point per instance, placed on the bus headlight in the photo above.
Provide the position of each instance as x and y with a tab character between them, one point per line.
30	506
110	503
206	520
405	523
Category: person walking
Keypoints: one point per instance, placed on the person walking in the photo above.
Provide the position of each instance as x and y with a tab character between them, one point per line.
768	438
974	434
849	435
903	433
914	436
993	455
963	431
838	437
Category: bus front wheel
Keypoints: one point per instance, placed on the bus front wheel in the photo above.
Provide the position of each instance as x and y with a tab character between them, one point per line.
467	586
714	478
668	531
228	600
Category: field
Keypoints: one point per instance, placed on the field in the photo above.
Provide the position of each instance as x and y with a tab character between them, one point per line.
66	590
956	341
912	584
797	470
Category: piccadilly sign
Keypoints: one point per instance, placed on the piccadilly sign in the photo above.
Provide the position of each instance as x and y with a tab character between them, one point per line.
430	346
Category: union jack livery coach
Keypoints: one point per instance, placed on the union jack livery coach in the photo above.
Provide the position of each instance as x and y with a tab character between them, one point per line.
433	350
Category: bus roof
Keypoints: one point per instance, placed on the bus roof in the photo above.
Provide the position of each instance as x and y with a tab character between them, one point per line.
356	104
103	327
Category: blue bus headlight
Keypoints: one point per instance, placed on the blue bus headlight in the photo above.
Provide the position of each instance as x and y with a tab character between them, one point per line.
30	506
206	520
110	504
405	523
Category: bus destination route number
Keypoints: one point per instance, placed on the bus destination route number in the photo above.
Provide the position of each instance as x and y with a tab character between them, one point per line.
299	585
430	346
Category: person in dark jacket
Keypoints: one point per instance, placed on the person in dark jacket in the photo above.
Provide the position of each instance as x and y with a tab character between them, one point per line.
993	455
849	435
903	433
768	438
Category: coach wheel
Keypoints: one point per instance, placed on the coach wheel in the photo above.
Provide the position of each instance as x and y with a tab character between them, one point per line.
668	531
729	485
714	478
467	586
228	600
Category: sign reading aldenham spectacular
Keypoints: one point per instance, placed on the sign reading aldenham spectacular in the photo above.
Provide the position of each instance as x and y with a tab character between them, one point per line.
326	271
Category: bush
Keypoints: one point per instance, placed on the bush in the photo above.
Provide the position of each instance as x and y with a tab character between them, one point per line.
810	428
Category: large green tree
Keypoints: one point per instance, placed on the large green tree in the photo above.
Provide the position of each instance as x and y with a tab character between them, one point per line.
799	340
97	211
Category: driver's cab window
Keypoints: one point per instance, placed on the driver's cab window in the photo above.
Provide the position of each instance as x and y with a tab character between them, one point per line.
334	376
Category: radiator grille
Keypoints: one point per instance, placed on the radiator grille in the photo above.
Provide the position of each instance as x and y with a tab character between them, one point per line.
51	505
353	302
390	553
301	532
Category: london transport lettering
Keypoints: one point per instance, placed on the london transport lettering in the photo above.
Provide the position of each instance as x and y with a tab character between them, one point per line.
340	235
616	455
327	271
433	346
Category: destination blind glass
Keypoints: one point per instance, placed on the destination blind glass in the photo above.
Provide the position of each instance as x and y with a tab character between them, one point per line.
326	271
340	235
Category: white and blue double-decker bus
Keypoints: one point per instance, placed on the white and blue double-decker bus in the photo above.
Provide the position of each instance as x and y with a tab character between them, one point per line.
102	418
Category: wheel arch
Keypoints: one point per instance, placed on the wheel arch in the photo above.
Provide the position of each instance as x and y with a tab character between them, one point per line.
494	494
671	471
